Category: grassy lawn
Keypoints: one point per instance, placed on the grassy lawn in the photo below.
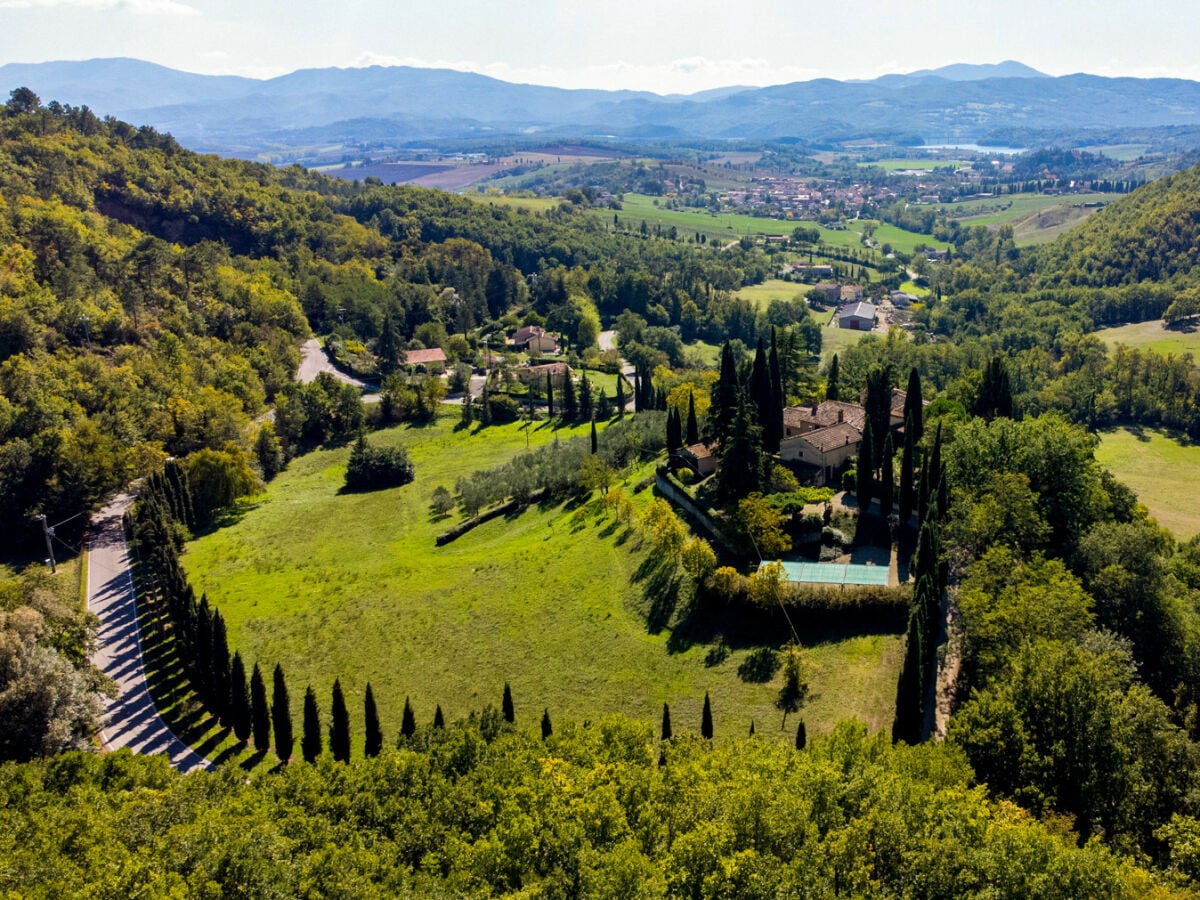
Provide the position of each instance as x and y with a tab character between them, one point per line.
352	586
1154	336
1159	468
835	340
529	204
762	294
891	165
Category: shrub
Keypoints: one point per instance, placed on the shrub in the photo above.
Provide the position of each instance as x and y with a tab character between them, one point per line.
376	467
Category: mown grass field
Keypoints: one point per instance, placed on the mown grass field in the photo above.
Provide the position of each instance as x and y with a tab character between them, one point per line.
761	295
1154	336
892	165
352	586
1161	470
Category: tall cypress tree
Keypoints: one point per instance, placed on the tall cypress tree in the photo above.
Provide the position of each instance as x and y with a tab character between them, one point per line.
761	394
239	699
887	477
777	397
923	489
706	722
674	431
833	390
620	396
260	714
801	736
310	733
907	500
339	727
281	717
373	741
408	721
693	429
506	705
586	404
865	481
570	404
219	670
547	729
879	406
914	407
666	723
595	440
549	396
741	461
726	393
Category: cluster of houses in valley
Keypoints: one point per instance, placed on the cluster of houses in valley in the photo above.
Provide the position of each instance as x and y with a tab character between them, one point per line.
819	439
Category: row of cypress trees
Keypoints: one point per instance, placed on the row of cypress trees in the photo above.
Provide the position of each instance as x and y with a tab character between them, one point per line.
706	725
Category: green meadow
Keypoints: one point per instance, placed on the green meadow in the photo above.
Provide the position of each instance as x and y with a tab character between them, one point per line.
1161	470
1153	335
551	600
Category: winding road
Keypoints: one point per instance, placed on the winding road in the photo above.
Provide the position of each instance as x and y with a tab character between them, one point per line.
131	719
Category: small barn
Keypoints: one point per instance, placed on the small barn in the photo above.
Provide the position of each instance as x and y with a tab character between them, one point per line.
857	316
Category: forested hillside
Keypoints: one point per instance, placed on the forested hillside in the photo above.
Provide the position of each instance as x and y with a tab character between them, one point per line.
152	299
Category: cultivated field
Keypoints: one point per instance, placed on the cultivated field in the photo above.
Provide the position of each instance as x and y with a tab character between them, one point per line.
1154	336
1035	218
352	586
1161	470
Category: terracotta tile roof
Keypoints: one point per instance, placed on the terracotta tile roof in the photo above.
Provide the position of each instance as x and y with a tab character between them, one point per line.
526	333
424	357
699	451
832	437
824	415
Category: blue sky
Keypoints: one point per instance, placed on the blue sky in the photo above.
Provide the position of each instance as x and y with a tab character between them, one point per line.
642	44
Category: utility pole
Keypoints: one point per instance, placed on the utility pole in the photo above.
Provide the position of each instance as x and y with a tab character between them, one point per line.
47	533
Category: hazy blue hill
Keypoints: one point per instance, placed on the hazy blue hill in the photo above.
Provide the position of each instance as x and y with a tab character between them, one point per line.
960	102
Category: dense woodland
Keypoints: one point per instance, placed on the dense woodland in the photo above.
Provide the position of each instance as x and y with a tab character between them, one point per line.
151	304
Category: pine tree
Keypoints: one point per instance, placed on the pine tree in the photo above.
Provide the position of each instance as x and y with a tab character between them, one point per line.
339	727
408	721
260	715
832	388
864	486
887	477
281	717
373	741
693	429
706	722
666	723
506	705
547	730
595	441
239	699
914	407
907	500
310	734
439	721
801	736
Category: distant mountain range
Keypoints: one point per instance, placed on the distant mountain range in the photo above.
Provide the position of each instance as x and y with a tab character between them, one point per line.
403	106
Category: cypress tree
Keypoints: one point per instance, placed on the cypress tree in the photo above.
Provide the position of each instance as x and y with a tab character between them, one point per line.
910	692
281	717
674	431
914	407
439	721
801	736
219	670
887	477
570	404
741	464
595	442
260	715
864	471
706	722
547	730
693	430
201	651
751	728
586	407
408	721
666	723
832	388
879	406
506	705
468	410
239	699
761	394
620	396
549	396
639	390
373	742
725	397
310	734
907	499
923	489
339	728
777	397
485	408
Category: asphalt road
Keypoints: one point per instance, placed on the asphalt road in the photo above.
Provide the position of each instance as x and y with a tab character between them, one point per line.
131	719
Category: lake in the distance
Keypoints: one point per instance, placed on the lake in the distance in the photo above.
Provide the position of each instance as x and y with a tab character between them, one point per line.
975	148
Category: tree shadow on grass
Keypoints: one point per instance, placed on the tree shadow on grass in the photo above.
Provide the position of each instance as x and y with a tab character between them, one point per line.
661	581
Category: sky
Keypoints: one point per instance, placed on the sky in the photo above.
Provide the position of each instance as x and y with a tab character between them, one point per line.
676	47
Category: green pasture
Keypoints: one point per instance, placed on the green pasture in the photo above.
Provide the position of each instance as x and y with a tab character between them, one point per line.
530	204
1154	336
549	600
1161	470
892	165
1009	207
761	295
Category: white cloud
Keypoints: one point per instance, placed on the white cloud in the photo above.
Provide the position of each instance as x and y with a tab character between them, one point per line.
141	7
